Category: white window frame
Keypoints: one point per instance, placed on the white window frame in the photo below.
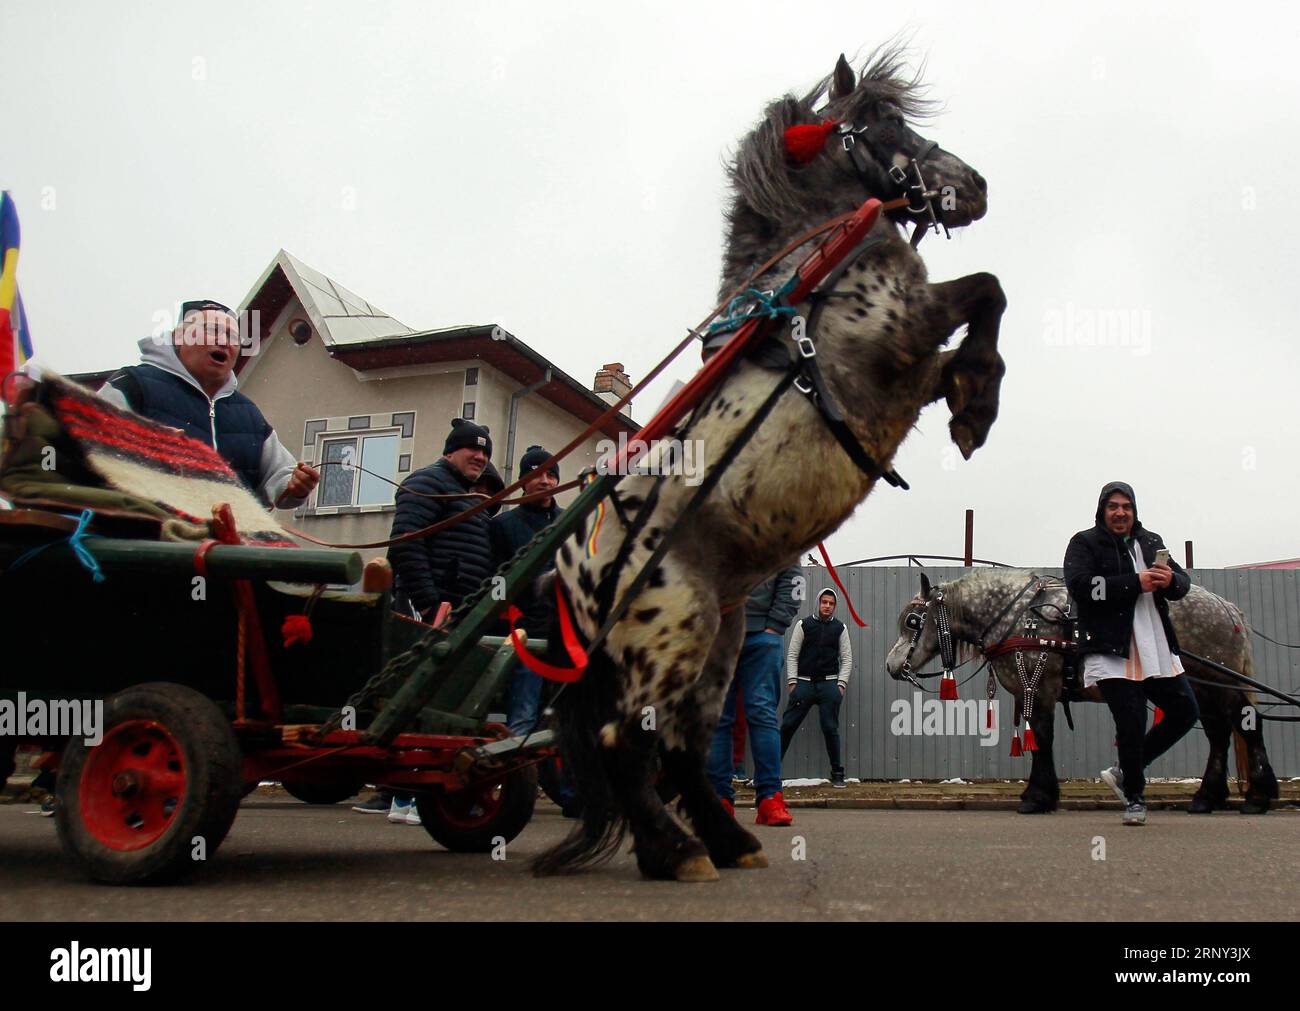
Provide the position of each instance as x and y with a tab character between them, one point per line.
358	434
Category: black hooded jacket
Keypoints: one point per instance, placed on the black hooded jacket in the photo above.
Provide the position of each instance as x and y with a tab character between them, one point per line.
1105	586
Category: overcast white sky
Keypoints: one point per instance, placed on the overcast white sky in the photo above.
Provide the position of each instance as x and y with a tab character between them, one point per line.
557	168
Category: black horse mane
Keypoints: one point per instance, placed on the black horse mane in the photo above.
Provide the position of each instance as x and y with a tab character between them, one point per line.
760	172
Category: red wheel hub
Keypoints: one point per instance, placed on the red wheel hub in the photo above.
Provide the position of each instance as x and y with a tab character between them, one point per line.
471	807
132	784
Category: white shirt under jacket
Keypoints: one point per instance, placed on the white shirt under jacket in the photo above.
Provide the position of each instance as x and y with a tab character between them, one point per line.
1148	653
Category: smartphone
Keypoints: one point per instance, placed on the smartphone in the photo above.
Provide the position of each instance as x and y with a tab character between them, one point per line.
1162	557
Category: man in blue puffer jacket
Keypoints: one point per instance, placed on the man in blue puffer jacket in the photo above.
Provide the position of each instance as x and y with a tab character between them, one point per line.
186	380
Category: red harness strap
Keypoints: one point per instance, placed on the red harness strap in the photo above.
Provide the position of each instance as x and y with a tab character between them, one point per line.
1018	643
568	636
821	546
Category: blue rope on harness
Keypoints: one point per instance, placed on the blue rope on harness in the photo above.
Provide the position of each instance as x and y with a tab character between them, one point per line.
76	540
762	305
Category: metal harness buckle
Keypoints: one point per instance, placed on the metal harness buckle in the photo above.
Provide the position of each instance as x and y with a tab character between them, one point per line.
806	347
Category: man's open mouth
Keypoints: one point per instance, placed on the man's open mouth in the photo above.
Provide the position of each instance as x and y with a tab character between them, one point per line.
220	356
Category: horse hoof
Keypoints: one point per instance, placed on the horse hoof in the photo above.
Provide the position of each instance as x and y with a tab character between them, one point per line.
1200	806
1249	806
698	868
749	861
1034	807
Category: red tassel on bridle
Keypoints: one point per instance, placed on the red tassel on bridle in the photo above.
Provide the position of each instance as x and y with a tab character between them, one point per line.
805	141
948	687
1031	743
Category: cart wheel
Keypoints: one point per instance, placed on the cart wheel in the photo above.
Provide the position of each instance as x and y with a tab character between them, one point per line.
473	819
322	793
166	774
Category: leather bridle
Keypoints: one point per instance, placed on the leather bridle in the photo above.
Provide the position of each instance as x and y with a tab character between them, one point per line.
887	142
915	620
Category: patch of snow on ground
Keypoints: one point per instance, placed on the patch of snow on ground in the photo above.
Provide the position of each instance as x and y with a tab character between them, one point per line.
804	782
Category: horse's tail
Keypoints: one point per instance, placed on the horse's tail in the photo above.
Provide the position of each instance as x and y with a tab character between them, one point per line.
584	707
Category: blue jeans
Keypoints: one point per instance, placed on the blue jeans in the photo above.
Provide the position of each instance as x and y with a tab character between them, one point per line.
525	700
523	710
758	678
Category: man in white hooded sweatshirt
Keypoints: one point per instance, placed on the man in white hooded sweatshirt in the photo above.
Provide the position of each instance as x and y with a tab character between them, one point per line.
187	381
817	664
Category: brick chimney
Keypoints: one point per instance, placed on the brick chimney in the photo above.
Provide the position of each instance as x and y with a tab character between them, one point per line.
612	384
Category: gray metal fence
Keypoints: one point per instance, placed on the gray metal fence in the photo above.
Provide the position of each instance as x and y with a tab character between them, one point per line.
1270	598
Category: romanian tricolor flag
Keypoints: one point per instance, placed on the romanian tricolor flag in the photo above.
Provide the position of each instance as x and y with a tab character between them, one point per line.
15	341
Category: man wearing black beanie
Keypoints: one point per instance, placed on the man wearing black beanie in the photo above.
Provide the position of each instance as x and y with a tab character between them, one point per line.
511	531
443	567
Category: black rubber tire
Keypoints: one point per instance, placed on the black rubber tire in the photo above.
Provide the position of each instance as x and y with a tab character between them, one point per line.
317	793
213	787
518	796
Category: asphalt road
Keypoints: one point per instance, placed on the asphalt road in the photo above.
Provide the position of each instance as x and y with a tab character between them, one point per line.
284	860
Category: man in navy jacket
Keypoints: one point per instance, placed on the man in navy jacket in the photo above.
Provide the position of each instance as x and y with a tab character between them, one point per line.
187	381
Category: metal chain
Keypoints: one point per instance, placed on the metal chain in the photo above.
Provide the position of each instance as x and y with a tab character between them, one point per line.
400	667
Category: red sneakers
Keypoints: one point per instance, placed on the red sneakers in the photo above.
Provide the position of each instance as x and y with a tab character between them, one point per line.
731	808
772	811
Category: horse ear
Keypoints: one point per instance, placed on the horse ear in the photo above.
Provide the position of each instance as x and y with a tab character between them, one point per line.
843	81
925	585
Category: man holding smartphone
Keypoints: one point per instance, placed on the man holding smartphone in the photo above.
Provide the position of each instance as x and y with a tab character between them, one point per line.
1122	579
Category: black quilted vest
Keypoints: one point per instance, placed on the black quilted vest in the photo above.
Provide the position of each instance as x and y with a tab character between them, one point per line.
240	427
819	658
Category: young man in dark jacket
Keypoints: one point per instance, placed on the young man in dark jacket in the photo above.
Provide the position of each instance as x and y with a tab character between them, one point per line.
818	663
757	682
1121	579
445	566
510	531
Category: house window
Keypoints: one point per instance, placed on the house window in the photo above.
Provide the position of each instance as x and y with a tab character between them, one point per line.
467	411
342	484
471	377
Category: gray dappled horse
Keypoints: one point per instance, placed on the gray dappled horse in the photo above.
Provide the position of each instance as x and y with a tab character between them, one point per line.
654	690
1204	622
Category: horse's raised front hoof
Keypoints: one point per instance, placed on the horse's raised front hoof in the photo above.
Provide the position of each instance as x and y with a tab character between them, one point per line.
696	868
1254	805
749	861
1033	806
1202	804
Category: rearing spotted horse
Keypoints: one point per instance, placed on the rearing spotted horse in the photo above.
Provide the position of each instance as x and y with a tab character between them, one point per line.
651	697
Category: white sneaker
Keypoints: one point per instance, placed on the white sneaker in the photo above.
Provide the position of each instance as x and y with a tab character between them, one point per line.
401	811
1114	778
413	815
